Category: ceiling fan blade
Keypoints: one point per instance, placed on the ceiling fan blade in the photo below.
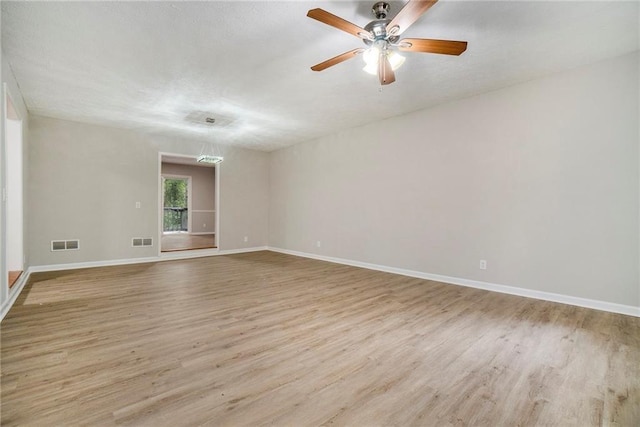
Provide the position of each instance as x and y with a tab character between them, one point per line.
408	15
445	47
337	22
337	59
385	72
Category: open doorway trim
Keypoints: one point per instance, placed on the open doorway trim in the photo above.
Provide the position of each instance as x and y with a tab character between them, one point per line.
12	215
194	252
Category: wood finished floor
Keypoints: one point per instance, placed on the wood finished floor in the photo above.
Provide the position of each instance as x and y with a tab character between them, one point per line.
13	277
272	339
184	242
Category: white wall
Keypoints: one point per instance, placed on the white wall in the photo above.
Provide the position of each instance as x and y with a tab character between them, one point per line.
539	179
85	181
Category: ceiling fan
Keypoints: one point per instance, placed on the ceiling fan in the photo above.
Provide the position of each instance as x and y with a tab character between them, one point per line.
382	36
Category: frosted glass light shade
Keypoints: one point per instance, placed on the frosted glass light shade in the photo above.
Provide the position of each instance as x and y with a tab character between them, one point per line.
371	57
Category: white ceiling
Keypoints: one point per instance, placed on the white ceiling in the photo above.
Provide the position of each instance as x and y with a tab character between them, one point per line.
151	65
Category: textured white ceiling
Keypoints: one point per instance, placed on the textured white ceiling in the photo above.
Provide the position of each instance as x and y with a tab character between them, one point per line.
155	66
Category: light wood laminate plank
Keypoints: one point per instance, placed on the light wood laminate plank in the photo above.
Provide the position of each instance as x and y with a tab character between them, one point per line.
266	338
13	277
171	242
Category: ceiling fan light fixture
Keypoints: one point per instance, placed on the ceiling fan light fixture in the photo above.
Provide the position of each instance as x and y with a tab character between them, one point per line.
371	69
395	59
371	58
382	37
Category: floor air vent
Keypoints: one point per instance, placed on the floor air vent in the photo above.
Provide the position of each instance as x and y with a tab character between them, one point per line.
65	245
140	241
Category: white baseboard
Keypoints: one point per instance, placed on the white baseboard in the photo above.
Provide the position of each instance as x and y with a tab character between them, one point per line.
244	250
198	253
512	290
166	256
91	264
24	277
14	292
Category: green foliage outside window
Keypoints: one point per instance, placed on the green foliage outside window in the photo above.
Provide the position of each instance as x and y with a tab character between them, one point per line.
175	193
175	205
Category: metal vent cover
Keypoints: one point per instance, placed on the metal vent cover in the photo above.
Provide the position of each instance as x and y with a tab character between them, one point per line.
65	245
141	242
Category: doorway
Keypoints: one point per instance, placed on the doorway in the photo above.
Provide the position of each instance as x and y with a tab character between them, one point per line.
188	204
14	193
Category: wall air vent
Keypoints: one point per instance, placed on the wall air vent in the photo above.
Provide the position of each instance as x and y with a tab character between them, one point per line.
65	245
141	241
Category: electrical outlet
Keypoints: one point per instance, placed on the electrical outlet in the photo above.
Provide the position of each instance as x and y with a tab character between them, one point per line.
483	264
246	238
318	244
137	205
204	225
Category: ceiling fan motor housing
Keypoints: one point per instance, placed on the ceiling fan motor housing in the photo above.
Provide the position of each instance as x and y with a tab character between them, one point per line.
378	29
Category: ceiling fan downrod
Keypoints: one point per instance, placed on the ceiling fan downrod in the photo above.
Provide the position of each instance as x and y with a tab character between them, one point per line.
380	9
377	29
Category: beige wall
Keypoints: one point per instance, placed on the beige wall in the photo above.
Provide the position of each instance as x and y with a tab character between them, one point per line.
539	179
202	194
85	181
